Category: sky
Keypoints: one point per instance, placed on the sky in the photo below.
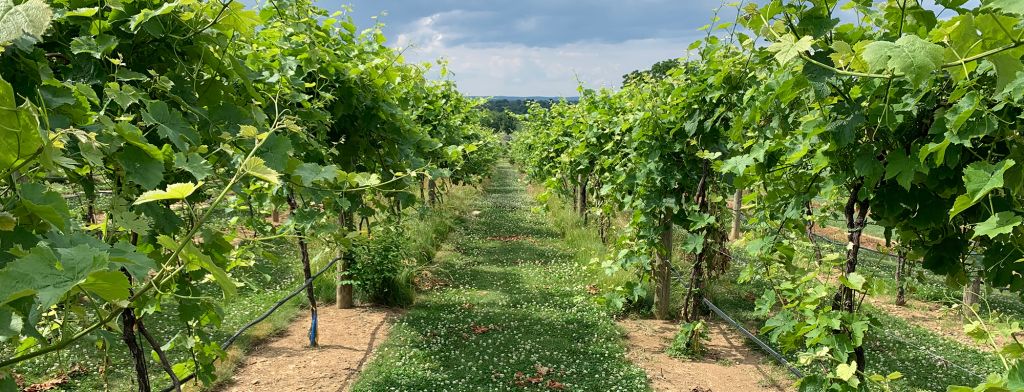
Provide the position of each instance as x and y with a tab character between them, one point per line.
537	47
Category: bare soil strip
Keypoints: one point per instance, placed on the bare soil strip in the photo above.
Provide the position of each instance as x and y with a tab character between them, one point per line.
348	339
730	364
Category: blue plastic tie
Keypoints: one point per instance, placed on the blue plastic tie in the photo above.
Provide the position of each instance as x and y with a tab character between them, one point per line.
312	330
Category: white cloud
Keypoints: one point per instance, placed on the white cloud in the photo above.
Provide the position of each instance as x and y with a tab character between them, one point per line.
520	70
494	50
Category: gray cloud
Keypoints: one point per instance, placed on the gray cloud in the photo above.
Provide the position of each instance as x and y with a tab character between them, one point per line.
540	23
536	47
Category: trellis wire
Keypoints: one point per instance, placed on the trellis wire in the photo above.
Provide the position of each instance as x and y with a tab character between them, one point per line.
231	340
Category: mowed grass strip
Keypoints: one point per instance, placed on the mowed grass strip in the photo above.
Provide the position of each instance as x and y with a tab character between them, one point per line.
515	316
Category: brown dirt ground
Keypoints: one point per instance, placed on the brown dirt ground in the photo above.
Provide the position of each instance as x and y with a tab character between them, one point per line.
730	365
839	235
348	339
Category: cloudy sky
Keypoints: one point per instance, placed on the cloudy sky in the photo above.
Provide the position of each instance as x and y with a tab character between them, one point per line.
537	47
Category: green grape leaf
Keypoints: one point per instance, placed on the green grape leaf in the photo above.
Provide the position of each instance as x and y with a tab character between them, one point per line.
845	371
133	135
147	14
140	167
83	12
980	178
112	286
126	75
311	172
194	164
910	56
177	191
1015	7
7	221
170	124
957	115
1013	350
998	224
124	255
248	131
10	326
94	46
1015	377
30	18
124	95
198	260
693	243
255	167
858	330
47	205
868	165
902	167
854	281
123	217
8	383
49	278
788	47
939	149
19	129
1007	65
275	152
738	164
976	331
237	18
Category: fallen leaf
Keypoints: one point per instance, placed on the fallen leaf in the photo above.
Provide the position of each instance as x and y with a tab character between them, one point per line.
47	385
479	329
555	385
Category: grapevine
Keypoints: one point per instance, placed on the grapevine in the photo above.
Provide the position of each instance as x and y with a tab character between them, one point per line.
905	116
165	115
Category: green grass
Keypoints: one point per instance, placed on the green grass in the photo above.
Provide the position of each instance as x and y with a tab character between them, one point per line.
926	286
929	362
266	283
516	303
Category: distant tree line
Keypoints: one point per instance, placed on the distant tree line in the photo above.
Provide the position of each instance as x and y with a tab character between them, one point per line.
517	106
500	113
657	71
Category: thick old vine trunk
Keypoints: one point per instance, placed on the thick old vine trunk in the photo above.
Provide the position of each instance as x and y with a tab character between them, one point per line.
343	292
128	328
128	336
737	214
307	273
662	277
166	363
583	198
575	201
901	277
856	212
692	306
432	191
423	196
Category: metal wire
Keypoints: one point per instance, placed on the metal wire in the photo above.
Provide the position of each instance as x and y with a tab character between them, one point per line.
778	357
764	346
231	340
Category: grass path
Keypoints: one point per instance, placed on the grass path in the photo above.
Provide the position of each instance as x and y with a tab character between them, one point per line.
515	315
